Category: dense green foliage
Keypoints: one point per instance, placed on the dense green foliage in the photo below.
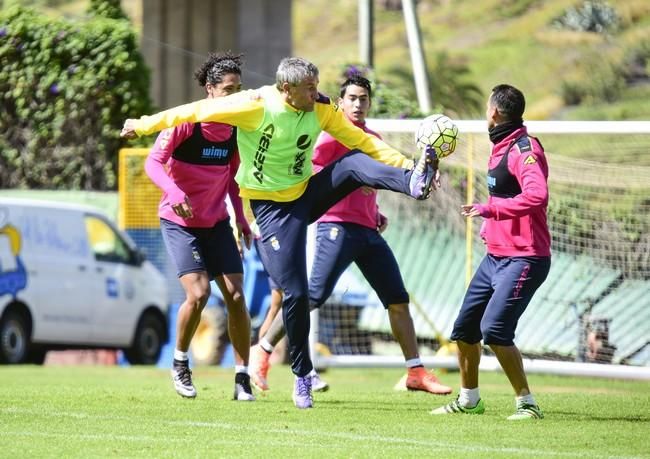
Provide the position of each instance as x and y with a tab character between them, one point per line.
134	412
109	9
66	87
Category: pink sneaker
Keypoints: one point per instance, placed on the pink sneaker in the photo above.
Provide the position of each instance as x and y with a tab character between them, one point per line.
420	379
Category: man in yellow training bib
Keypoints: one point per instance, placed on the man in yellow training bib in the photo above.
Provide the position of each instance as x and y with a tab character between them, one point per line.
277	129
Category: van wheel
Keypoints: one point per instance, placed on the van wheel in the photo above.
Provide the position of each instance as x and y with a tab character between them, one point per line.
148	341
14	338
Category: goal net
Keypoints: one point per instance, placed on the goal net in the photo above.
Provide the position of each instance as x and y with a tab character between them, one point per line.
591	316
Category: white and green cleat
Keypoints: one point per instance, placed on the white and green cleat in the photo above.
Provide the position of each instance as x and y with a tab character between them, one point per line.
456	408
525	412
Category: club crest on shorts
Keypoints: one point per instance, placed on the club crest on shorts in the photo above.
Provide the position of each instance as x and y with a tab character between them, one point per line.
334	233
275	244
196	255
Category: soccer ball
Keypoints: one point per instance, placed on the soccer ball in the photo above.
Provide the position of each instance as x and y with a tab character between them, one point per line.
439	132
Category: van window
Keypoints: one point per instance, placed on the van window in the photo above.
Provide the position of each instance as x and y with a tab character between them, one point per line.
105	243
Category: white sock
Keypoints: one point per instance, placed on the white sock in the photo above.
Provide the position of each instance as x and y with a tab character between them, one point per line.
313	372
416	362
264	344
180	355
241	369
525	399
468	398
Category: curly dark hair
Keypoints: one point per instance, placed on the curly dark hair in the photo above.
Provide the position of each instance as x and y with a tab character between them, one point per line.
216	66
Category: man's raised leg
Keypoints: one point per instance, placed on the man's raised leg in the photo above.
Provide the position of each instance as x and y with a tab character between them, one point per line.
356	169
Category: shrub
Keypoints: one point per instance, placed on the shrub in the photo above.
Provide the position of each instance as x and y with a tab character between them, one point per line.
593	16
66	88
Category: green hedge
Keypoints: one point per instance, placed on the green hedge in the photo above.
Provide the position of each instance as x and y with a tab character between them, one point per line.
66	88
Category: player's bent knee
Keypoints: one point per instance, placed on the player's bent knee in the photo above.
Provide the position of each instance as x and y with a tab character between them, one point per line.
493	335
466	336
198	297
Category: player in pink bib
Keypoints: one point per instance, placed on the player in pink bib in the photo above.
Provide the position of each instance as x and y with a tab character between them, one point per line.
518	258
194	164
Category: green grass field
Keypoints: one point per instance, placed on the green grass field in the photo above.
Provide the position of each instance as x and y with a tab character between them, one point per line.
134	412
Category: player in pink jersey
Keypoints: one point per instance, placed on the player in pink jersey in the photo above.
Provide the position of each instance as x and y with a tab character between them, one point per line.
518	256
194	164
350	232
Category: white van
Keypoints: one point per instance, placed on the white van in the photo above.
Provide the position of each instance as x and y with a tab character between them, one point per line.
69	279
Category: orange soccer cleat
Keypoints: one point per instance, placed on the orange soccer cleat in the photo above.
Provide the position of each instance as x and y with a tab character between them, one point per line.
420	379
260	364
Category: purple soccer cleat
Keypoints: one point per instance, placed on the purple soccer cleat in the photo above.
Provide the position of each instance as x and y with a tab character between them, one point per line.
423	174
302	392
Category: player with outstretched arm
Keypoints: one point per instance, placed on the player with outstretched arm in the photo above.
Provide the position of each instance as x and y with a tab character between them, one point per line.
277	129
194	165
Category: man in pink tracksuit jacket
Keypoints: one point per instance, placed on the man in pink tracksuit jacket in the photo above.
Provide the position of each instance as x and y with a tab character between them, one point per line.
518	256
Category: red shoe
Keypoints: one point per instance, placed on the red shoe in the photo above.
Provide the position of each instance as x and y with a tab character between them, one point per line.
420	379
260	367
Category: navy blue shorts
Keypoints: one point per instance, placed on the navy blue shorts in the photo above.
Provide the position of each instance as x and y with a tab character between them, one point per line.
192	250
340	244
496	298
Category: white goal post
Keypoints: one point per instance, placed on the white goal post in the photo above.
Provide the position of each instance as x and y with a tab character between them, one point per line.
592	315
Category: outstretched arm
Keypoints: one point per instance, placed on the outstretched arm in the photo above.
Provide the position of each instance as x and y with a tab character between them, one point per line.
337	125
244	109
